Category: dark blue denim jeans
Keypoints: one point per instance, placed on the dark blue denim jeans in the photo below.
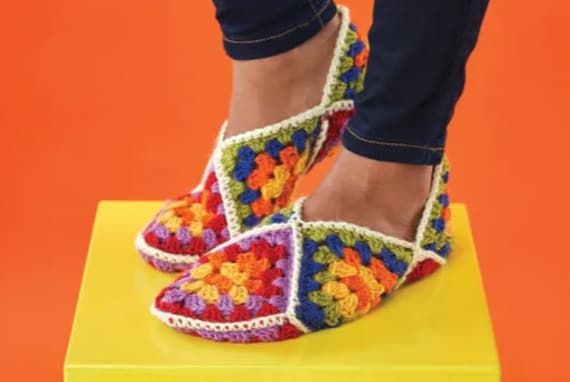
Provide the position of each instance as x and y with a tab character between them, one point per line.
416	69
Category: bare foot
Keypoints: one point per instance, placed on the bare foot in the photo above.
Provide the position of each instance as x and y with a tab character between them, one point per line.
271	89
383	196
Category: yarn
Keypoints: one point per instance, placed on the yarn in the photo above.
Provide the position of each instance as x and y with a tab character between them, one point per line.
290	278
437	237
354	281
271	160
252	176
192	223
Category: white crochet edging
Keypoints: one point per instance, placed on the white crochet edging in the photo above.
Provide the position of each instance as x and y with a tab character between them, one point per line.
318	111
183	322
142	246
252	232
296	224
424	220
224	180
339	45
419	256
353	228
293	298
263	132
325	124
315	111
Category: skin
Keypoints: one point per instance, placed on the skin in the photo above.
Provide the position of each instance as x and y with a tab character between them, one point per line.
383	196
271	89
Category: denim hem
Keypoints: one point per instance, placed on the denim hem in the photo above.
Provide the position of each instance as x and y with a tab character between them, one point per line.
391	151
284	41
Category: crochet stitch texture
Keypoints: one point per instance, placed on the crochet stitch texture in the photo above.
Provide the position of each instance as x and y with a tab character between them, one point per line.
294	277
252	175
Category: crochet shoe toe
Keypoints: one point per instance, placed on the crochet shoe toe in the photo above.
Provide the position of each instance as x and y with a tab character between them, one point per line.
294	277
252	175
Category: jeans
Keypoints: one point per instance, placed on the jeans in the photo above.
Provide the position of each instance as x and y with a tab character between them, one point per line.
416	69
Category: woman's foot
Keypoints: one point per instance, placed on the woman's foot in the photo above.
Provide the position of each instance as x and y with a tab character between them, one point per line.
269	90
309	93
383	196
284	280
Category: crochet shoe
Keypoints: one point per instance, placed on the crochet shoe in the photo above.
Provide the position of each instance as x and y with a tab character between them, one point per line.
286	279
252	175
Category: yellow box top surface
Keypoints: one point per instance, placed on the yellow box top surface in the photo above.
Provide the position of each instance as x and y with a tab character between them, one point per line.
435	329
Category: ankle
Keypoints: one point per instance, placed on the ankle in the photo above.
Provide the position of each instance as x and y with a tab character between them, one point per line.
268	90
301	61
389	197
365	178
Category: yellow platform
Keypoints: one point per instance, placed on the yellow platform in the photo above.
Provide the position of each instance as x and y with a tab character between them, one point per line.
435	330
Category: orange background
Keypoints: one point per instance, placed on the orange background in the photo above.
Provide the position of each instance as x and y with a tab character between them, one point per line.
107	99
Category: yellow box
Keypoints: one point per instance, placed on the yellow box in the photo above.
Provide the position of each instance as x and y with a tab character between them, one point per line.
435	330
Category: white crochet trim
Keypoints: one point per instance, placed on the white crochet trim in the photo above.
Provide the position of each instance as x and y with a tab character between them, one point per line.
325	124
252	232
332	225
296	224
263	132
142	246
420	256
183	322
315	111
424	221
296	254
338	52
224	181
293	298
260	322
234	225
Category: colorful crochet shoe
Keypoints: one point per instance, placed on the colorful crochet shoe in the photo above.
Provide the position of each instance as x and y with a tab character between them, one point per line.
252	175
290	278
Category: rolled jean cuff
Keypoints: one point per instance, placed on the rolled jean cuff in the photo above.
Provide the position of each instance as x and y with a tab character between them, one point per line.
283	41
391	151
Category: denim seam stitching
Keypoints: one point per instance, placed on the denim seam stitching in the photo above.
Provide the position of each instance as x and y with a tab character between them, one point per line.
285	33
393	144
316	13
